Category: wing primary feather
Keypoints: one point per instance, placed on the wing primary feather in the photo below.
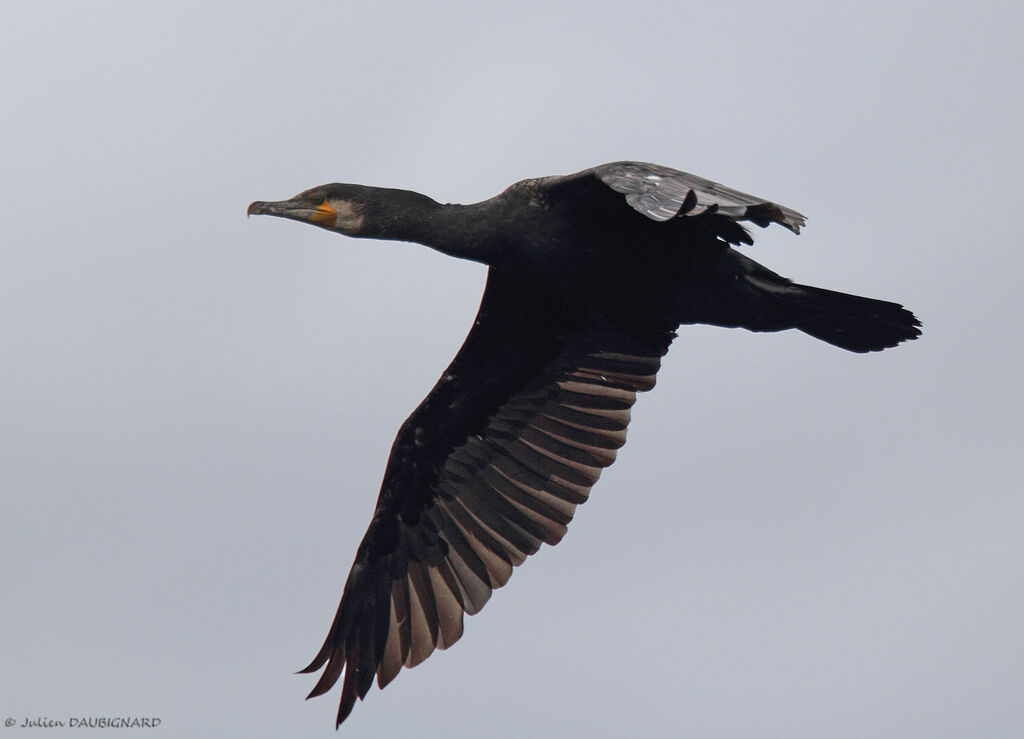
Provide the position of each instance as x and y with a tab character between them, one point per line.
474	578
330	675
590	403
590	389
490	509
507	549
391	664
549	465
400	601
459	545
538	501
567	448
423	595
492	503
449	608
566	430
560	488
613	421
451	582
495	556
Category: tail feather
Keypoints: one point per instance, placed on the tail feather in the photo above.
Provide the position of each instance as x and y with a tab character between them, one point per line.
851	322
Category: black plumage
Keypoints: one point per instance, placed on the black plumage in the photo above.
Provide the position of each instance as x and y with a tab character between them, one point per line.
589	276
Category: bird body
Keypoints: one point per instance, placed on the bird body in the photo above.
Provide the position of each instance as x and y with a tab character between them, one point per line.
589	276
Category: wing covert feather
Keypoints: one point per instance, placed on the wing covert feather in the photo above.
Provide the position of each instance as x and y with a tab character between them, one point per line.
662	193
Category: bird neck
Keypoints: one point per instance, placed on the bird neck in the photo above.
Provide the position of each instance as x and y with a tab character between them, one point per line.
466	231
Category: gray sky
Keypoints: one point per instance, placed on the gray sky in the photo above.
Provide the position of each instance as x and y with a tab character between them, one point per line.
197	408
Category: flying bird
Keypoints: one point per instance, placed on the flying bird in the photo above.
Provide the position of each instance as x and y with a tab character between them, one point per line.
590	275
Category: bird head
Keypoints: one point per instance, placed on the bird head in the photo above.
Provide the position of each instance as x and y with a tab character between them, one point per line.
335	207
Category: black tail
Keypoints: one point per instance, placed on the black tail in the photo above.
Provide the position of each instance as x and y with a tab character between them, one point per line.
849	321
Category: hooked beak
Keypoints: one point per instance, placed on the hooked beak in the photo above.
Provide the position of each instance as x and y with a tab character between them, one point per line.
297	210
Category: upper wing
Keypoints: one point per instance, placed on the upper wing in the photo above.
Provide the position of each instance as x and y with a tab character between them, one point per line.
661	193
490	466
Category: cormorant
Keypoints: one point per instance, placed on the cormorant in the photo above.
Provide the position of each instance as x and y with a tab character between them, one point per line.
589	276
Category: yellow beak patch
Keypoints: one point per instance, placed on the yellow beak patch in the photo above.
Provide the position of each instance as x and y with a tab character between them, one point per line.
324	215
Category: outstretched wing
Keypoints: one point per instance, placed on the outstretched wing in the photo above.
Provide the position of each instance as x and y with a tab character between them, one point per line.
490	466
661	193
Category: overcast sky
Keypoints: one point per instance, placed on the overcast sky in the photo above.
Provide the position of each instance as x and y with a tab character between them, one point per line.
196	408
